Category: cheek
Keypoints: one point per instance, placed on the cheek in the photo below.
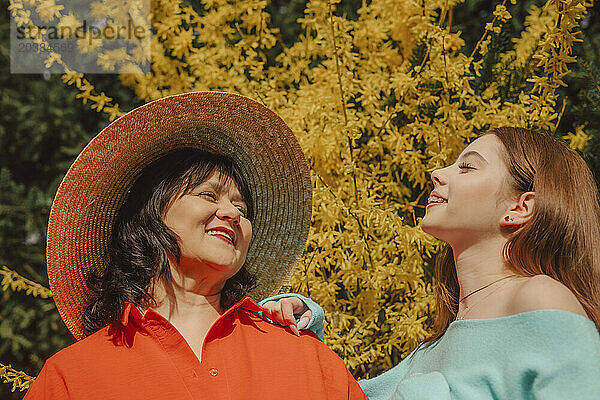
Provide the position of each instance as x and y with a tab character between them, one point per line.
474	191
171	221
505	193
478	203
247	231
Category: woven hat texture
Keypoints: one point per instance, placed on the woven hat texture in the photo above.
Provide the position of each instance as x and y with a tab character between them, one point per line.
96	185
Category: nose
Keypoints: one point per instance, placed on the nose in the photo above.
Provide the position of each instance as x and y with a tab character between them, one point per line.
438	176
229	212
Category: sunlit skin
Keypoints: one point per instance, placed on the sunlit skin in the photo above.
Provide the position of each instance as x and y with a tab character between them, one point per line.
213	235
477	194
206	220
471	218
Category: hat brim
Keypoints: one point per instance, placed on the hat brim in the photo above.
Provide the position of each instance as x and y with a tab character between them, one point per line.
96	185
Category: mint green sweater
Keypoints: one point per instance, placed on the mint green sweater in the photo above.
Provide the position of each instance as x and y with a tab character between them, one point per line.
544	354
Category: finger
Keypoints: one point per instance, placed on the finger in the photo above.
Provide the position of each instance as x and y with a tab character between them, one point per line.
295	330
285	310
298	305
288	313
269	308
305	319
278	314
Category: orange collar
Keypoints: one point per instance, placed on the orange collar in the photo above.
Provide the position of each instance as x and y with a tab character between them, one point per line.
130	310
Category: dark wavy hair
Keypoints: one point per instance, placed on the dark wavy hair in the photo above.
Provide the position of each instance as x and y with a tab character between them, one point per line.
140	241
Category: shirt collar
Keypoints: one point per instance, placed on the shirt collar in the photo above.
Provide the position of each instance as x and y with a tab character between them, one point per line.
130	310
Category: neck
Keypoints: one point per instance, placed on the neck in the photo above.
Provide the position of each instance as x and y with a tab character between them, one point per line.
178	305
188	300
479	264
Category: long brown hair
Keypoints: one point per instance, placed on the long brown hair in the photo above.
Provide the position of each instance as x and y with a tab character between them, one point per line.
562	238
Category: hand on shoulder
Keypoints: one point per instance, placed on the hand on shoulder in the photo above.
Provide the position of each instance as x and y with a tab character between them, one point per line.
541	292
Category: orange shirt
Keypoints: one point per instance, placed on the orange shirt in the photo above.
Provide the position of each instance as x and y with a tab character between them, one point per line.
243	357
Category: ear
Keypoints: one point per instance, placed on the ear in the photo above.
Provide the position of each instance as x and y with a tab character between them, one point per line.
520	211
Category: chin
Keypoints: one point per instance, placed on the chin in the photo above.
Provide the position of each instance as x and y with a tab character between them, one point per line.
228	267
427	226
224	267
432	229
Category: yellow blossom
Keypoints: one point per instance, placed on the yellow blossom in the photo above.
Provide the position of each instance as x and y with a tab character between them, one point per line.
109	59
17	379
501	13
48	10
579	139
100	101
51	59
67	25
85	45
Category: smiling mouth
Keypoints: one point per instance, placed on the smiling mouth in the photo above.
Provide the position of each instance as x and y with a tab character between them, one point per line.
434	200
225	236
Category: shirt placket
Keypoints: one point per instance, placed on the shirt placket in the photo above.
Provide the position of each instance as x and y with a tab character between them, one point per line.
179	354
212	375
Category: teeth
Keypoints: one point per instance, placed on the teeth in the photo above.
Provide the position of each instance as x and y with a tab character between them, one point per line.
215	233
435	199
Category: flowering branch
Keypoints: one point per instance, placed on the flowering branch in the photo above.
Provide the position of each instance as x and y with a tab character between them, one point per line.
19	379
15	282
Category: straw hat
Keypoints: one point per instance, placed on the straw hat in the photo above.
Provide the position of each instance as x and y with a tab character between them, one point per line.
96	186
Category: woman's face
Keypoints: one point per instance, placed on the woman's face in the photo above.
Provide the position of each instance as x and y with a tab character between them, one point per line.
470	197
214	233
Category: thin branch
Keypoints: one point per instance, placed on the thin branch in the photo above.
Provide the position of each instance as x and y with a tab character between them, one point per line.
484	35
337	66
351	213
306	273
424	58
444	55
260	98
388	119
343	100
592	101
350	146
562	111
589	72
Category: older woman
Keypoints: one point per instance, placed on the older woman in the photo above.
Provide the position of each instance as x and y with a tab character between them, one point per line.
518	284
164	224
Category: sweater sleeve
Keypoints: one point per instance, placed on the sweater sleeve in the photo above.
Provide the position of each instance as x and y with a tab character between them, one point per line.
383	386
317	321
49	385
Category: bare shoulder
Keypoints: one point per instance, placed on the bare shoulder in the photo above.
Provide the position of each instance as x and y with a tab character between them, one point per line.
541	292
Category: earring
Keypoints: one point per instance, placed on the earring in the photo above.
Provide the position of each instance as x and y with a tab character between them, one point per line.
507	219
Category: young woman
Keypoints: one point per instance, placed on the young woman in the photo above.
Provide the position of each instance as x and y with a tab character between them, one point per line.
173	215
518	283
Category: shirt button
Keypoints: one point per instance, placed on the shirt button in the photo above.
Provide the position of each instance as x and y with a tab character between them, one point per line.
213	371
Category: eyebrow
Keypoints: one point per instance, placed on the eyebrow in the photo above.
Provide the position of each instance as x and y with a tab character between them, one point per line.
474	153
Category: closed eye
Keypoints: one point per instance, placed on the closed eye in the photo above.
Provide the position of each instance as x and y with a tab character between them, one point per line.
242	210
465	165
210	195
